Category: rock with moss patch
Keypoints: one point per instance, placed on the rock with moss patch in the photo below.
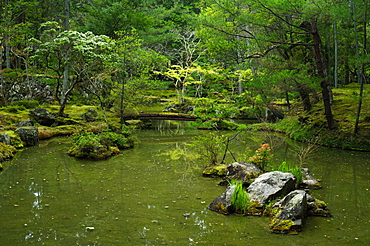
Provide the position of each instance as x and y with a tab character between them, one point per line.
29	135
6	151
24	123
222	203
90	115
42	116
291	213
317	207
241	171
308	181
5	138
217	170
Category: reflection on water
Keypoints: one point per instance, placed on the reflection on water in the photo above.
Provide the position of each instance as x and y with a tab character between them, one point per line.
154	194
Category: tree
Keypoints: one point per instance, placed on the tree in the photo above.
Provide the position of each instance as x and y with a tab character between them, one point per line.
131	67
187	55
82	53
279	30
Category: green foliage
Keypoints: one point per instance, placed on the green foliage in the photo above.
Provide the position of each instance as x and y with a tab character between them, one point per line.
262	156
109	138
14	109
26	103
210	146
296	170
88	145
239	199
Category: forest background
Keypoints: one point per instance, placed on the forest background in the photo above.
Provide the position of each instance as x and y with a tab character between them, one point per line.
303	64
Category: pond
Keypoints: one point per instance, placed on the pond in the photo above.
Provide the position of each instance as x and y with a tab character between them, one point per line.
154	194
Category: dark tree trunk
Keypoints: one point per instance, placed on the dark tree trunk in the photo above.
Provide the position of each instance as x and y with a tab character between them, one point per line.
305	96
322	73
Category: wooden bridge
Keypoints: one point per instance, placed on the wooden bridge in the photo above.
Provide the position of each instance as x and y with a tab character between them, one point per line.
161	116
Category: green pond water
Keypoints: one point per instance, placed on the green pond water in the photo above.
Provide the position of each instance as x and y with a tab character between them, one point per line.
141	196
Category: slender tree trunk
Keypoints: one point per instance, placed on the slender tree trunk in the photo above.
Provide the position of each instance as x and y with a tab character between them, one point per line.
121	104
335	55
359	105
322	73
64	93
65	85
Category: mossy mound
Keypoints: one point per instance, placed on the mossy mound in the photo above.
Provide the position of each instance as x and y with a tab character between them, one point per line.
218	170
91	146
7	151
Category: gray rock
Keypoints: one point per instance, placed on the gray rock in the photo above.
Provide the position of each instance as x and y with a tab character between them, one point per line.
90	115
42	116
29	135
5	138
222	204
24	123
271	185
241	171
308	181
293	208
317	207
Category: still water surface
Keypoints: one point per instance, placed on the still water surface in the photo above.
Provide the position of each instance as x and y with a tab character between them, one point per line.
141	196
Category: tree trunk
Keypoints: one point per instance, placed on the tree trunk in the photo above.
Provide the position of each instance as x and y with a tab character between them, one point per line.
64	93
121	104
322	73
335	55
65	85
359	105
305	96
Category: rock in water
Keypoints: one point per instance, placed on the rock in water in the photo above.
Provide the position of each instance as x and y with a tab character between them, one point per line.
29	135
242	171
222	204
309	181
291	211
271	185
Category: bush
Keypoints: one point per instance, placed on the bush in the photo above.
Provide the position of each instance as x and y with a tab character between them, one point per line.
295	170
240	199
262	156
26	103
88	145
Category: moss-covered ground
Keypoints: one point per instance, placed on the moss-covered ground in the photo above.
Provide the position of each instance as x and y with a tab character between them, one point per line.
311	126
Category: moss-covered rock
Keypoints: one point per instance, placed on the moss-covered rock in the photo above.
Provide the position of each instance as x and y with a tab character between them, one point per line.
218	170
7	151
91	146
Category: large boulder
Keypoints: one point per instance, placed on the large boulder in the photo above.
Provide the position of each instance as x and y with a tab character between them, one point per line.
271	185
42	116
241	171
290	212
222	204
29	135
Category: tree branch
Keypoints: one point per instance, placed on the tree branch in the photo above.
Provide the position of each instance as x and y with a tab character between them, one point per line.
231	34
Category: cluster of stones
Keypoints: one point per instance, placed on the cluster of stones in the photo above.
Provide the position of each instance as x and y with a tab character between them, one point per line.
273	194
27	134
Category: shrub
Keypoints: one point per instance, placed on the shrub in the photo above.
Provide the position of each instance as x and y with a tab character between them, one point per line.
28	104
88	145
240	199
262	156
295	170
